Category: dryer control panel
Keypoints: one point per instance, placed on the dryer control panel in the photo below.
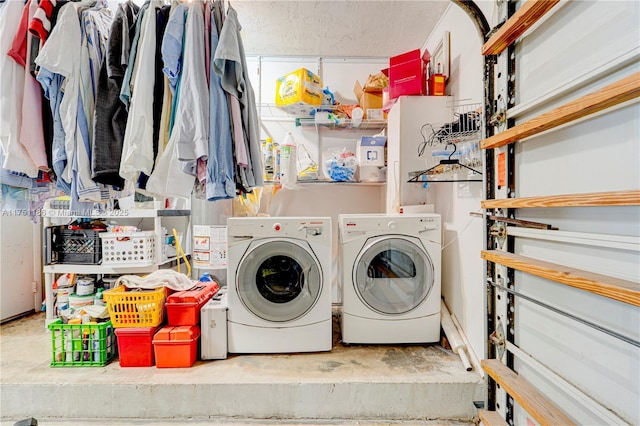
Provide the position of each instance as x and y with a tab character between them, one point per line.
270	227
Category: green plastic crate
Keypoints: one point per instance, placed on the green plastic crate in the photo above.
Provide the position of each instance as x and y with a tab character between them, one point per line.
82	345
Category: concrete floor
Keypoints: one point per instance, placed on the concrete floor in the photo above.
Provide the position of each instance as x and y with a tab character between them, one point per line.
353	385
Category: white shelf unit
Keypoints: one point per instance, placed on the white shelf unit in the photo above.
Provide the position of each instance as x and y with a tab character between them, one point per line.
157	215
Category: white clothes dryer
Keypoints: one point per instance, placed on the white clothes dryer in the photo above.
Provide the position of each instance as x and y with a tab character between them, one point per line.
279	284
390	271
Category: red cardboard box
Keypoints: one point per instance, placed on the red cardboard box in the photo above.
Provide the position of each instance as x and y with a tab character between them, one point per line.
135	346
408	74
183	307
176	347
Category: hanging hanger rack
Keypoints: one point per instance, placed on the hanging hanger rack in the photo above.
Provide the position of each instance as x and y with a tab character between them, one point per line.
449	161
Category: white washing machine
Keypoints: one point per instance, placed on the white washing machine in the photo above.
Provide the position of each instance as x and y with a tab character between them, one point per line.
390	272
279	284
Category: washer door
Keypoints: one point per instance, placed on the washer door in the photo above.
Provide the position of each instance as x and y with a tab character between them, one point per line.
279	280
393	274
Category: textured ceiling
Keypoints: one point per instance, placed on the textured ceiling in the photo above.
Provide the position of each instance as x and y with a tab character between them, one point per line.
336	28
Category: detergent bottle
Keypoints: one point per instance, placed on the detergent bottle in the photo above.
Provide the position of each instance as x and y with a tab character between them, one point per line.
288	162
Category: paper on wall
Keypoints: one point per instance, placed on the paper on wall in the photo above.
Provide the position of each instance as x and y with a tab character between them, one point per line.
210	247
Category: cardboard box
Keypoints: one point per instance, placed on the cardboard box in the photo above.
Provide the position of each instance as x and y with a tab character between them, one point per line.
176	347
299	92
408	74
371	158
370	101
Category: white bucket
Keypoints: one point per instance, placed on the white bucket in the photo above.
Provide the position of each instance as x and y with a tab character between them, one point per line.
84	286
109	282
76	301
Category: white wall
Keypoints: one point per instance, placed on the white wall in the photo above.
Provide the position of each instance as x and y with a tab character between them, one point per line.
462	273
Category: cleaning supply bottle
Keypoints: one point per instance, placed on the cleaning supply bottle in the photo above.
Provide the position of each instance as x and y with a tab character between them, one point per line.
98	298
268	159
288	162
276	162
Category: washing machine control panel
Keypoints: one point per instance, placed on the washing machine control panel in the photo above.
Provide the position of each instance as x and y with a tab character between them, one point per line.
429	223
308	229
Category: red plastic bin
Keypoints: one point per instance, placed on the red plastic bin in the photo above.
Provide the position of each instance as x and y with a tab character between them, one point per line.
136	346
183	307
176	346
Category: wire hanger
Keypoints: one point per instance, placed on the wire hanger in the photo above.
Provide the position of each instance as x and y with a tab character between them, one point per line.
441	163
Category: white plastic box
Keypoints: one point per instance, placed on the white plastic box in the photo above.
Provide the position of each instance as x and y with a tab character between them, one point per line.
371	158
213	327
128	248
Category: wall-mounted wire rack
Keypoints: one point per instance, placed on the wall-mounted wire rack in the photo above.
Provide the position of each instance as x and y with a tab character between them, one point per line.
465	125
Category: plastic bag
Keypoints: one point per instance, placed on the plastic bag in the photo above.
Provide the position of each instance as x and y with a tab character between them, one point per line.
341	165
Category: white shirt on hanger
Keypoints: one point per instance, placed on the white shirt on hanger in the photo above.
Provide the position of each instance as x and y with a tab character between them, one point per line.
137	149
11	94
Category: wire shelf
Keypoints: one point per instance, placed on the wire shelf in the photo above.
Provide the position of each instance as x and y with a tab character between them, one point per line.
465	125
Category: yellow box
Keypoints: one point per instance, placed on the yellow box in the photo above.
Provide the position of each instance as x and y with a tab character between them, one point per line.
299	92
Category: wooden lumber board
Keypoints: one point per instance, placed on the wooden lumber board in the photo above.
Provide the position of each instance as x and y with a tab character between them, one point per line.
613	94
526	395
592	199
527	15
491	418
612	288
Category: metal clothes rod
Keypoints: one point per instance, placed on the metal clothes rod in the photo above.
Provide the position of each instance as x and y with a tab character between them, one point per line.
611	333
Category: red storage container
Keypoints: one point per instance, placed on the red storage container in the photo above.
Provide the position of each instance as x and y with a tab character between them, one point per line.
183	307
176	346
136	346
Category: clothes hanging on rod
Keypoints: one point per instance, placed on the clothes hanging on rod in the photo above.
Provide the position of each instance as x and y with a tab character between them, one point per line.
230	63
12	86
111	115
190	133
137	150
158	91
220	169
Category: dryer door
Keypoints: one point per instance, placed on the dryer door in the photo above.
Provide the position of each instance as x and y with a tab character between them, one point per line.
393	274
279	279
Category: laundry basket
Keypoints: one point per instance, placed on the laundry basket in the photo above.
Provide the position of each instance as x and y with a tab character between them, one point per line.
135	307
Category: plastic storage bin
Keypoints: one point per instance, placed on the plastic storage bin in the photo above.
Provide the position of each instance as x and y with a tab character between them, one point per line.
183	307
128	248
135	346
75	246
82	345
135	308
176	346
